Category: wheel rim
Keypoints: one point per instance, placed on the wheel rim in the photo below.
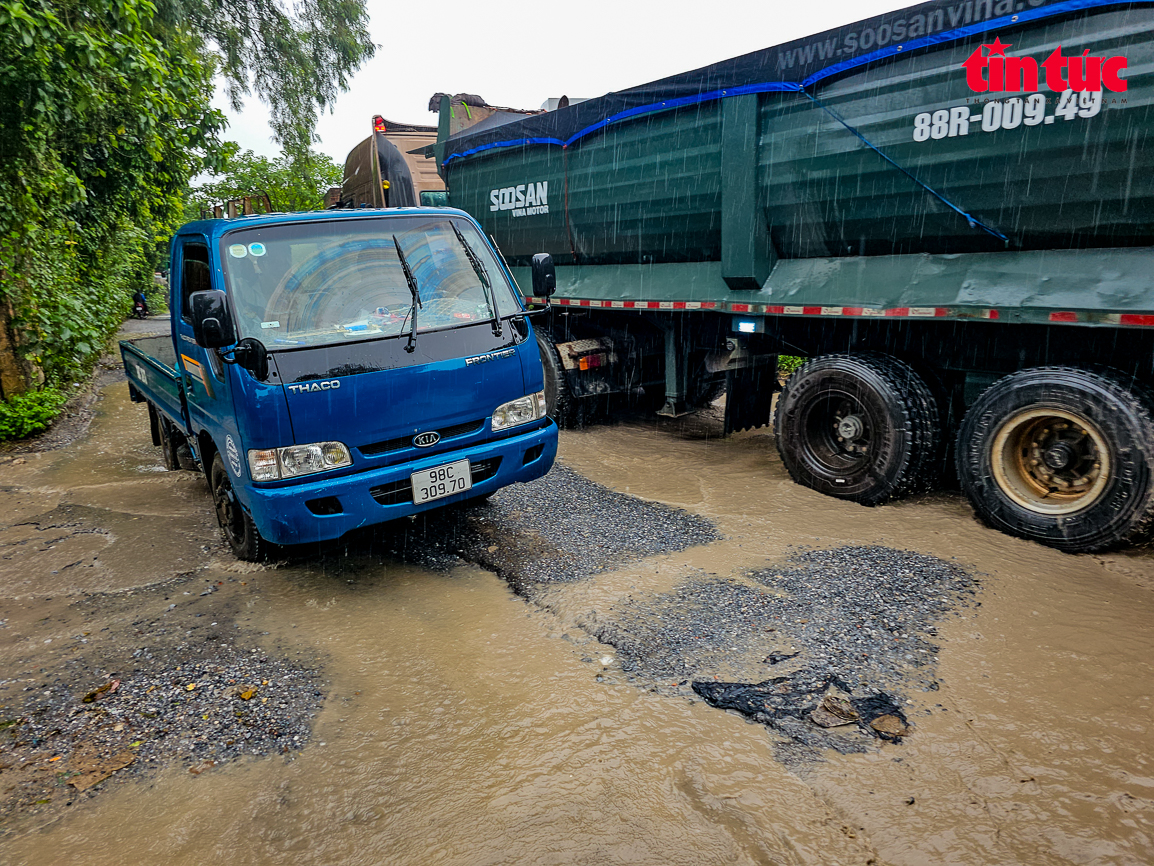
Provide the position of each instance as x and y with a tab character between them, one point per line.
228	512
1050	461
839	432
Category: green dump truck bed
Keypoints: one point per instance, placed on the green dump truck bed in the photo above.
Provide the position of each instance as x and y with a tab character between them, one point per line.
845	170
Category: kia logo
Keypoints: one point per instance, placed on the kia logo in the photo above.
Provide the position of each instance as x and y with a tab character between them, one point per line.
426	440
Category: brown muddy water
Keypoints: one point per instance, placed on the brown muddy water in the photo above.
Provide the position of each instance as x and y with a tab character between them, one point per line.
462	726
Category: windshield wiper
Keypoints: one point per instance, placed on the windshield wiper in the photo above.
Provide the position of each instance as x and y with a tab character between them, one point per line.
483	276
414	291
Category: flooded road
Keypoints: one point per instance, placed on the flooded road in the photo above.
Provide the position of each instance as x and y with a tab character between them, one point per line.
463	723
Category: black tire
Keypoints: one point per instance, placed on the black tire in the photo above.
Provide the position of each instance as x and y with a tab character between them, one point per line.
558	401
863	427
1062	456
169	442
235	522
154	425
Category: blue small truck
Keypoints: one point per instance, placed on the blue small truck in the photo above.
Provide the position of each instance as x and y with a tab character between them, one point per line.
333	370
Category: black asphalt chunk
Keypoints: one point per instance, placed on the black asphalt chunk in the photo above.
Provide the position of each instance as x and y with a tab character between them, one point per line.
786	706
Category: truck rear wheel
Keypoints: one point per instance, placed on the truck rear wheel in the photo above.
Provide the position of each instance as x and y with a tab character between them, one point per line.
235	522
558	400
863	427
1061	456
168	445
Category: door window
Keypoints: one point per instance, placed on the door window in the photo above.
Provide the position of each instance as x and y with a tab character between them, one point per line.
194	276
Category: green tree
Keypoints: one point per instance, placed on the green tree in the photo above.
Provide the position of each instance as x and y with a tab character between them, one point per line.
288	187
101	125
297	62
105	115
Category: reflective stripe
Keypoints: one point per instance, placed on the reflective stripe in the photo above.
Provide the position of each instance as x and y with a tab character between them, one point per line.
1145	320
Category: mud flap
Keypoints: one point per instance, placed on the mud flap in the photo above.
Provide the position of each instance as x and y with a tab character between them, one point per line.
749	396
590	366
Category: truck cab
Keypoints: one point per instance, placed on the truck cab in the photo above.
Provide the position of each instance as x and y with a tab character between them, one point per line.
346	368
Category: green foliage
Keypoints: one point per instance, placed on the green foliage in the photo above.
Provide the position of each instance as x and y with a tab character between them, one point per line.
29	413
101	126
297	61
291	184
787	364
105	116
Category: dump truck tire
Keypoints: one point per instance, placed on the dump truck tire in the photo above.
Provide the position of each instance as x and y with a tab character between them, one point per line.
1062	456
558	400
863	427
236	523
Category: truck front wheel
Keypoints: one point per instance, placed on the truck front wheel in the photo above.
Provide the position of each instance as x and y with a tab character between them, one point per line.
863	427
235	522
558	400
1062	456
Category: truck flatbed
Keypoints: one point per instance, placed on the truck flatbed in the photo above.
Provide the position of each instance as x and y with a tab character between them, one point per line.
150	365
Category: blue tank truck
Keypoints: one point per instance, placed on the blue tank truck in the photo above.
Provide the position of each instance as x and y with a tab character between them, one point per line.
329	371
948	210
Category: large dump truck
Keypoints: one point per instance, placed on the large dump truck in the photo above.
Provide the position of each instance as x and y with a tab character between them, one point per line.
398	176
948	210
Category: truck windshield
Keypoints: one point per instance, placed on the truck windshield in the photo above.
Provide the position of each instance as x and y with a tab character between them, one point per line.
309	283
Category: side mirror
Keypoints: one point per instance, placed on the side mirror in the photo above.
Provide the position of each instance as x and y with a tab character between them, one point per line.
544	276
251	354
212	323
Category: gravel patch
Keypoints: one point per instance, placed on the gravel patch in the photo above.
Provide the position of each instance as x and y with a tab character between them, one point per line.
867	614
559	528
201	713
124	701
856	624
584	528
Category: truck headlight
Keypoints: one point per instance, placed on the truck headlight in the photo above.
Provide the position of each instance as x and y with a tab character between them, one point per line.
519	411
272	464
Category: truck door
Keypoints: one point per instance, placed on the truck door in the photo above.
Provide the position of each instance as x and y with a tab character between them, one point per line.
202	373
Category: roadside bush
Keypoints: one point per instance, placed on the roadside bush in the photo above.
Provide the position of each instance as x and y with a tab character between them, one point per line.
787	364
29	412
157	296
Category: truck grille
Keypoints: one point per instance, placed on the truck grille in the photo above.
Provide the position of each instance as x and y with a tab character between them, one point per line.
402	442
396	492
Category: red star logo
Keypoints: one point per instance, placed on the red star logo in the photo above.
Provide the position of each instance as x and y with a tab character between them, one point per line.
997	47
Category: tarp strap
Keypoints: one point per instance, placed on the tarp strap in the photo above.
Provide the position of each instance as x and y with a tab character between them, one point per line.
1017	19
973	221
568	227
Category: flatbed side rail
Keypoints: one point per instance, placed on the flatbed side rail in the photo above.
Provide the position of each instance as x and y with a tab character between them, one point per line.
152	378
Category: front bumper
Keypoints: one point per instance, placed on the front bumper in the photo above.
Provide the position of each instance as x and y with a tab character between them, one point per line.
328	508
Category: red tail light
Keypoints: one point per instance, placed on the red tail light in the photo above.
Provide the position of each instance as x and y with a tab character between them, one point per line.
379	124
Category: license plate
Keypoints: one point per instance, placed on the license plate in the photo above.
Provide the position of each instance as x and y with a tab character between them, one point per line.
440	481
